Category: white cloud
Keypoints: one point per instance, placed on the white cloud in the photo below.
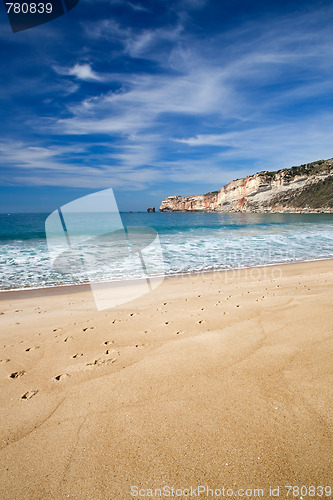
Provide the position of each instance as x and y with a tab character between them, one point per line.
80	71
83	72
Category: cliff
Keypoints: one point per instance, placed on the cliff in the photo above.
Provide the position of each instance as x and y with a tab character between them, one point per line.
306	188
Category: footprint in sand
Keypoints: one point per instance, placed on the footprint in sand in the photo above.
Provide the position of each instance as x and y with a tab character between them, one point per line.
17	374
77	355
101	361
108	342
201	321
67	339
28	395
180	332
112	351
88	328
28	349
62	376
4	360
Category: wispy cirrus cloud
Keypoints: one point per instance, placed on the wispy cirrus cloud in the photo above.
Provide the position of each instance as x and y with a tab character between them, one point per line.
147	102
42	166
246	83
272	147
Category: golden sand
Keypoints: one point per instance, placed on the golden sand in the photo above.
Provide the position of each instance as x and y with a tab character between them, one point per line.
221	380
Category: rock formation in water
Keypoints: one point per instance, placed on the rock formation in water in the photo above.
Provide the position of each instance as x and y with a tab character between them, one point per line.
307	188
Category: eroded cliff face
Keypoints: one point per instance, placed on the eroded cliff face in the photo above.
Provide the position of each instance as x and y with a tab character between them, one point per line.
304	188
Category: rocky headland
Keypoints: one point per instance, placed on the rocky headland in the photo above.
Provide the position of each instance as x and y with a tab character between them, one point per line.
305	188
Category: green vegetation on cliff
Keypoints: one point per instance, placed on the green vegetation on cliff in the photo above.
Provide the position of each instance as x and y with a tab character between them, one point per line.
314	168
313	196
316	196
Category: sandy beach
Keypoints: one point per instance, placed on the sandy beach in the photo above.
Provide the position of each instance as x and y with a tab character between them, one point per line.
218	380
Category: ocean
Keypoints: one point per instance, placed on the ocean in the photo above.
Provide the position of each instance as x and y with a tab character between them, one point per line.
189	242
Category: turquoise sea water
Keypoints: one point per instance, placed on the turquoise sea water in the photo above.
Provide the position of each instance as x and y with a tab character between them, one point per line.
190	242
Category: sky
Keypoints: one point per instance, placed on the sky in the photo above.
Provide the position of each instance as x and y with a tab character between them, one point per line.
161	97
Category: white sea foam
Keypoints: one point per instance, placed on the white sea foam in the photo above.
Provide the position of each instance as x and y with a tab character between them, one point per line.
190	243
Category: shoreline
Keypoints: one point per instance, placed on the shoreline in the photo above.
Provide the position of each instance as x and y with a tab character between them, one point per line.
84	287
302	211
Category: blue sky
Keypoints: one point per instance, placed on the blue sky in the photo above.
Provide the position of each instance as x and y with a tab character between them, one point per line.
161	97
